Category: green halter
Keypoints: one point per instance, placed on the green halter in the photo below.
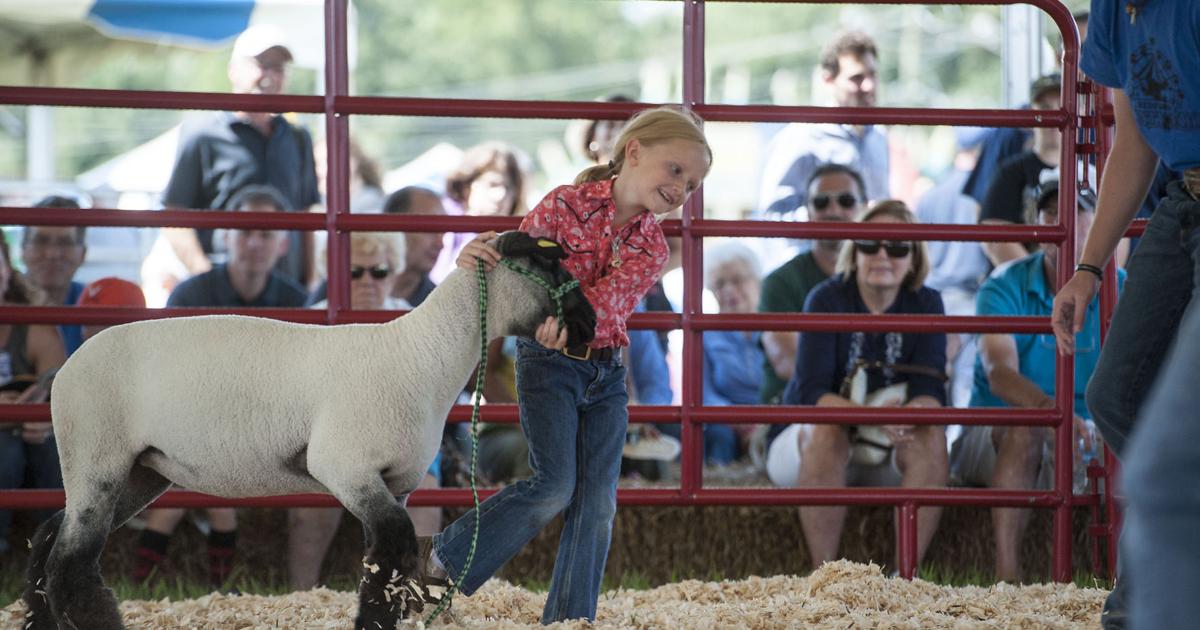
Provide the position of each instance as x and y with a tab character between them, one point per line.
556	294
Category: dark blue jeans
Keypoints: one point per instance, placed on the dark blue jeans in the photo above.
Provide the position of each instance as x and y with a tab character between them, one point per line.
24	465
574	416
1144	399
1158	289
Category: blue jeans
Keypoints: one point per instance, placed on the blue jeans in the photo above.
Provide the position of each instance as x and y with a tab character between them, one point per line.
1158	288
24	465
1159	476
574	417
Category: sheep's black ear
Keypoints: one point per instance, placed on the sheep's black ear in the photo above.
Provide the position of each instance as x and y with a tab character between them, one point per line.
516	243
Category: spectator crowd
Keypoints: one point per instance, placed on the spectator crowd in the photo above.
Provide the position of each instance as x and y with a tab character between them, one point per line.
827	173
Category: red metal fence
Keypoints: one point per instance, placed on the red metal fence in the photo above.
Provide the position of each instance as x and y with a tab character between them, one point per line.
338	106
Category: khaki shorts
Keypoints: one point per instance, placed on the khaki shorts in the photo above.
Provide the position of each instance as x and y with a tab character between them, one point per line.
973	459
783	464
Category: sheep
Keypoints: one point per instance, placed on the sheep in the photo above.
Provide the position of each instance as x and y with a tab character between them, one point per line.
241	407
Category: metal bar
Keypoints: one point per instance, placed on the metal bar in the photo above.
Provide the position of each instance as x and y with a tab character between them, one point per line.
1065	373
47	499
906	539
150	99
337	147
203	218
890	231
741	414
883	115
161	218
692	394
837	322
1108	303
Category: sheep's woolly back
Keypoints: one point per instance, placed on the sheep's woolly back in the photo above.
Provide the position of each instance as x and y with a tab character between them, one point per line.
241	406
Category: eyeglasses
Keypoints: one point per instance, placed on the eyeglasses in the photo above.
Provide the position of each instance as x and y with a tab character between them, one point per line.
378	272
820	201
893	249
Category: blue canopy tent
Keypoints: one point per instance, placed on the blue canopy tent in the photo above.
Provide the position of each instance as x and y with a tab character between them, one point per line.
56	42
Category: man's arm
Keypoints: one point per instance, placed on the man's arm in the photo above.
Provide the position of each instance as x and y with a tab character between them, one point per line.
1002	365
780	348
1127	176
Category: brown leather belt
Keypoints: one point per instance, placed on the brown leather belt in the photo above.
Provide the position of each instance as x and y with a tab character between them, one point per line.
1191	181
584	352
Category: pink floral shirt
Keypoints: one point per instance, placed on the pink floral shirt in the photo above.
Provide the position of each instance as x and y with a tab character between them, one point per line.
615	268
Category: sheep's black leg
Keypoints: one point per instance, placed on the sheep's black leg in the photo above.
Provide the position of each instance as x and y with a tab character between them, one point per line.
37	602
142	487
387	592
78	597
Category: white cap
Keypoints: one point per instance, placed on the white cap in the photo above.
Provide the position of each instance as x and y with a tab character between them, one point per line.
258	39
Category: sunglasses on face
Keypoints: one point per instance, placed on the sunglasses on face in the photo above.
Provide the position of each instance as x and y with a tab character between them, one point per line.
820	201
378	272
893	249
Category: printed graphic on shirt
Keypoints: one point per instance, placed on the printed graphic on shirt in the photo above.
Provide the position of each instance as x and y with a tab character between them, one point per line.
1156	93
6	371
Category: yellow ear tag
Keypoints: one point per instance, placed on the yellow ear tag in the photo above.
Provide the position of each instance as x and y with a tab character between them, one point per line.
543	242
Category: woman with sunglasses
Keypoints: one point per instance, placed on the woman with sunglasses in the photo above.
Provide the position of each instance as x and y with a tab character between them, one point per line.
873	277
376	259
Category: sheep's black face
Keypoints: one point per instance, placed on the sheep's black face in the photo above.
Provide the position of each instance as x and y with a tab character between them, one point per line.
542	256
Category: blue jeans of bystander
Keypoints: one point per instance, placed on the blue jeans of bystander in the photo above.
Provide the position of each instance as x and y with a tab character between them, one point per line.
574	416
1162	277
1158	288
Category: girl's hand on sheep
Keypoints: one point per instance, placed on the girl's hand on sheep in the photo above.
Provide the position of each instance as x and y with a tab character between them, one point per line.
479	249
550	335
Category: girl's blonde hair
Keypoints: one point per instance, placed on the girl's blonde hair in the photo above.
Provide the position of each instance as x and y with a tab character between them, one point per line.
847	265
650	127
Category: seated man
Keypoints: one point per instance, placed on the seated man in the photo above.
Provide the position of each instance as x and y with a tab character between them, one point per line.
849	369
1018	371
52	254
835	192
248	279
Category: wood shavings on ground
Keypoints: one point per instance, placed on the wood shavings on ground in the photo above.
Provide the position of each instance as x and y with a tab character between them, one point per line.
839	595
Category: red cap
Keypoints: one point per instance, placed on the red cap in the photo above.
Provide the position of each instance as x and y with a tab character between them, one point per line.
112	292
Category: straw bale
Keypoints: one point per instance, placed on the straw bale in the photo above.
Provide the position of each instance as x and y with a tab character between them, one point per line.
839	595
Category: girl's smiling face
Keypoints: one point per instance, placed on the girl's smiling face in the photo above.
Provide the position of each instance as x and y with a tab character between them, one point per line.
662	176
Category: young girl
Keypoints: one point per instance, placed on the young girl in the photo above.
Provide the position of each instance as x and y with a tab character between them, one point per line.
572	399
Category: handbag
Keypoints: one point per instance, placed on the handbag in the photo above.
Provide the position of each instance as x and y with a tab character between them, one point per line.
870	445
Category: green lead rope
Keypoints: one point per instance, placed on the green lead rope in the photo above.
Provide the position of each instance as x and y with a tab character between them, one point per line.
556	294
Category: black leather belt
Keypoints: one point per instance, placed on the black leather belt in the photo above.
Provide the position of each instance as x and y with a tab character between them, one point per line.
584	352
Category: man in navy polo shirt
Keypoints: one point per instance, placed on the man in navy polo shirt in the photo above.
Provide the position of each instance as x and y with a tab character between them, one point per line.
1017	370
222	152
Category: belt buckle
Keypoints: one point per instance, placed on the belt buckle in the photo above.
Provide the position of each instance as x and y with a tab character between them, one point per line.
586	355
